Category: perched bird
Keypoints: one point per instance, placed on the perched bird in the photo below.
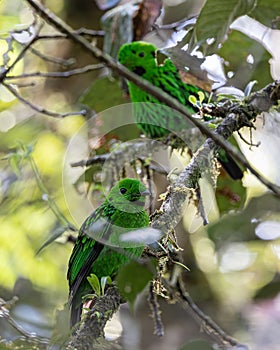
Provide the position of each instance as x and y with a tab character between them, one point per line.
122	211
154	120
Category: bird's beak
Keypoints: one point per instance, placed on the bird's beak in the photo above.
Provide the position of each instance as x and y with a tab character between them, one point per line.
145	193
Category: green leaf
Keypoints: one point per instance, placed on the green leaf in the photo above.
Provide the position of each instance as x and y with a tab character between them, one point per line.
201	96
53	235
193	100
104	281
95	284
214	20
132	279
267	12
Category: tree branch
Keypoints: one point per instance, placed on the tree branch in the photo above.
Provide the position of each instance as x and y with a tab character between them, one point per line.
80	31
40	109
65	74
90	331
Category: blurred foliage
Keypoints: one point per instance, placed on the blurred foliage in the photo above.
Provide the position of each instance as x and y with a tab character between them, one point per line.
244	70
237	263
132	279
214	20
265	12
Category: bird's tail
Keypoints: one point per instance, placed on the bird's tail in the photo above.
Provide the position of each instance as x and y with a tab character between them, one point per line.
75	312
231	167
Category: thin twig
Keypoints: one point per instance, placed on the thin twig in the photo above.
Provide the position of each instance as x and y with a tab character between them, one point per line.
51	18
249	143
68	62
80	31
5	71
24	85
154	305
40	109
52	204
99	158
208	324
65	74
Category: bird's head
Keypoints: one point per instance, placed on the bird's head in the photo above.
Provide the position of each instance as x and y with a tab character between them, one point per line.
128	195
138	56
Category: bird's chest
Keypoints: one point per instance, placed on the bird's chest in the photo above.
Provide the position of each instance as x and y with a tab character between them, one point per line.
154	118
125	220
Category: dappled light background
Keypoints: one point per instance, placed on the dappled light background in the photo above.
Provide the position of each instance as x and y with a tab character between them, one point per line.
234	261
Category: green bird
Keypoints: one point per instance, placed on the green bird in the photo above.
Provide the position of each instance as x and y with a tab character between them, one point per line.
122	211
158	121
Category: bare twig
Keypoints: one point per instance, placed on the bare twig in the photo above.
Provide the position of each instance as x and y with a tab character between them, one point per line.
65	74
154	305
160	95
24	85
52	204
5	71
40	109
208	324
80	31
249	143
65	62
97	159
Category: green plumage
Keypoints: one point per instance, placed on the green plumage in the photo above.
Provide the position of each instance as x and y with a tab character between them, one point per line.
154	118
122	211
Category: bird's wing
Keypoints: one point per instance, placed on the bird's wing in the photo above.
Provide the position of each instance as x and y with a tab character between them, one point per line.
87	249
170	81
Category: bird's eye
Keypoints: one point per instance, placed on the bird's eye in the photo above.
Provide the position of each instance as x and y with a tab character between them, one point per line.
123	190
141	54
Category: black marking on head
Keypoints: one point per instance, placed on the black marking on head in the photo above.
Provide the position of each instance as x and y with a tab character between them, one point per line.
153	53
133	51
139	70
135	197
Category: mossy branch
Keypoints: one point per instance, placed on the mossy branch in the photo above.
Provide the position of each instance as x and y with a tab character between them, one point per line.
90	332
